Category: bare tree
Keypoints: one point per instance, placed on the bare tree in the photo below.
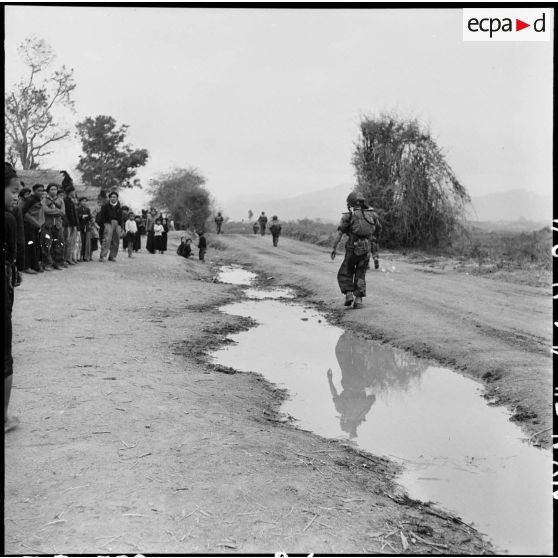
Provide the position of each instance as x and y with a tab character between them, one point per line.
30	107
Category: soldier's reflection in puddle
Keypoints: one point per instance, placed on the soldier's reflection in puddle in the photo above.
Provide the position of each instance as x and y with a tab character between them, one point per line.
353	404
367	369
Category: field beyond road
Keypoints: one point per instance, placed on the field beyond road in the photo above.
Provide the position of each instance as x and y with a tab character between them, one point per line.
130	440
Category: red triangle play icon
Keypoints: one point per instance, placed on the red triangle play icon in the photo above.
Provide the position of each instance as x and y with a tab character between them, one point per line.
519	25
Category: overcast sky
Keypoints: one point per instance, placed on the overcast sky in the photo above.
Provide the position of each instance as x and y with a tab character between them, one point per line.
268	101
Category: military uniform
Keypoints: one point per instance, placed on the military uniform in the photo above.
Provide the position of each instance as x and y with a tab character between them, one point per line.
262	220
352	273
219	222
275	230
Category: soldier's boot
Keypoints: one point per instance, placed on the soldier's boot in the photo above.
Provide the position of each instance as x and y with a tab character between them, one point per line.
358	302
349	298
376	263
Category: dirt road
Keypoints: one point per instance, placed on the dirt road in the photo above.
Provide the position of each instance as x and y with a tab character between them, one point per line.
492	330
131	442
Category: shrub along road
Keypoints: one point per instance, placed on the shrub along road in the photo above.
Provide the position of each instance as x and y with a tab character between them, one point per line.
130	441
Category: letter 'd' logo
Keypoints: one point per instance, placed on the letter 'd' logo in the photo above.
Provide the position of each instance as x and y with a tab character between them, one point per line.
507	24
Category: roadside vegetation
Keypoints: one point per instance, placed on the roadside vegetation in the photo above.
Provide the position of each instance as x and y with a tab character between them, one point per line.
510	255
525	257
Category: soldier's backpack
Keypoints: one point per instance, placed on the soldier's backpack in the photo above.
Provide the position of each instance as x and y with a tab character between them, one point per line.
275	227
363	223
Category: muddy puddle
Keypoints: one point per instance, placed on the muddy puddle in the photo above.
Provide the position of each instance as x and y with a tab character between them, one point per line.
274	293
456	450
235	275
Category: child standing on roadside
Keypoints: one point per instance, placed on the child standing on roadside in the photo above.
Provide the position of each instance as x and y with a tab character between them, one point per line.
158	235
131	229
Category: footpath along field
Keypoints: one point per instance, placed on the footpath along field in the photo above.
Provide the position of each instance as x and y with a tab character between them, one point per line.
130	441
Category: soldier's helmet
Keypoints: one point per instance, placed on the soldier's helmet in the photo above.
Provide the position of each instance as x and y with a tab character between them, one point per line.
355	199
274	218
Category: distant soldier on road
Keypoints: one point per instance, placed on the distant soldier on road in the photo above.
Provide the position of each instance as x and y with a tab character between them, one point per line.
275	229
262	220
219	222
359	225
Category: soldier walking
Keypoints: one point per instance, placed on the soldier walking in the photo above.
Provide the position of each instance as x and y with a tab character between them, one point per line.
262	220
275	229
219	222
359	225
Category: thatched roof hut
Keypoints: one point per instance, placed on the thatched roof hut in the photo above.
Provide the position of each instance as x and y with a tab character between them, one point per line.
46	176
39	176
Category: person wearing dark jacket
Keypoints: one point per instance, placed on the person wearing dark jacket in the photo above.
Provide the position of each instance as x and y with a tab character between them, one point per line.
149	225
52	230
20	230
102	199
185	247
202	245
165	235
137	238
111	217
125	211
9	253
33	220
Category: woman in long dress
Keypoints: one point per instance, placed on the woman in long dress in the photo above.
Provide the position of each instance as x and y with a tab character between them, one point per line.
150	244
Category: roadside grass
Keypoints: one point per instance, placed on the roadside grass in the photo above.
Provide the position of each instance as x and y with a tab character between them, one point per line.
216	244
522	257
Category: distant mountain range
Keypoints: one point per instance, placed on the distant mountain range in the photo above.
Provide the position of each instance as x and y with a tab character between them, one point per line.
522	207
326	204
